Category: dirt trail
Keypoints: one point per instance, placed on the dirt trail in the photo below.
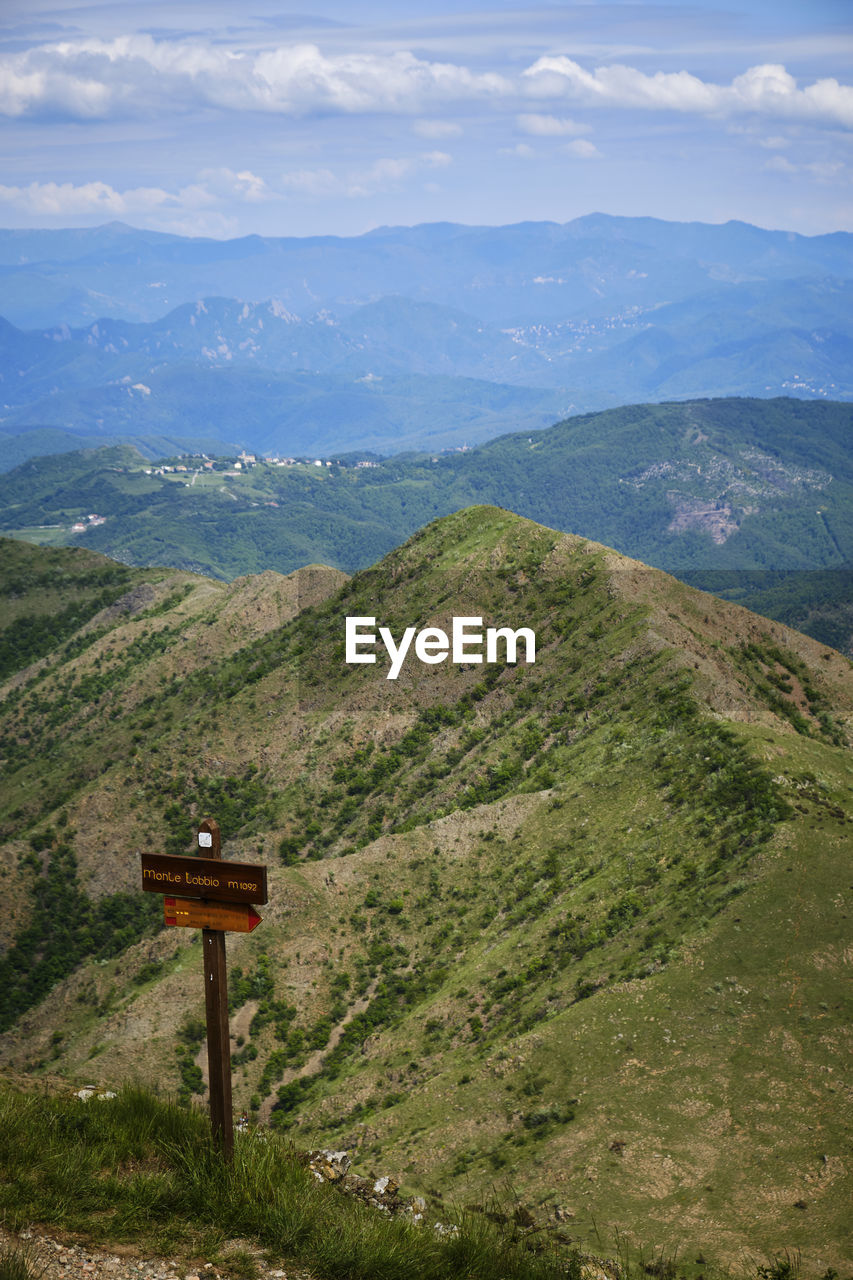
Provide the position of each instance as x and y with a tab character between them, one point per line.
311	1065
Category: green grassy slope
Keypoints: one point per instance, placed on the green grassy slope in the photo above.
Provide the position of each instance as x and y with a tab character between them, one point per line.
574	927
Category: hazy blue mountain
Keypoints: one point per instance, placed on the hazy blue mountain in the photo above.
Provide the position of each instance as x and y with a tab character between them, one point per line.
420	337
389	336
288	413
506	275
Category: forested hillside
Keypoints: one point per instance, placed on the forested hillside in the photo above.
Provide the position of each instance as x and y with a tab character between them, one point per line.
723	485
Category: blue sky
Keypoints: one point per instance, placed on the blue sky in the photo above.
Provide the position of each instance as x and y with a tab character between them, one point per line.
223	119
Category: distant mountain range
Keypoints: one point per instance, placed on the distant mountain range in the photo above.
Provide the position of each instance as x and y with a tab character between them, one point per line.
527	273
422	337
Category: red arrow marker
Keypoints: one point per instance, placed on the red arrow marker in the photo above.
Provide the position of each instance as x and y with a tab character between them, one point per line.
190	913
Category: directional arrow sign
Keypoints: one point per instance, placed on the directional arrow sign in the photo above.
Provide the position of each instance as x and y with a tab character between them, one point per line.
232	917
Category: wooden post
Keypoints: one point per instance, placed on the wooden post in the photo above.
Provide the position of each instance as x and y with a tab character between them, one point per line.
216	1009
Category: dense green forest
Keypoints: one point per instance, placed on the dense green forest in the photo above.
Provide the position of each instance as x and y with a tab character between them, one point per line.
65	926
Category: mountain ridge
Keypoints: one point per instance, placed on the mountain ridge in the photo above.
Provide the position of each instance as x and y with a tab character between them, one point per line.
529	921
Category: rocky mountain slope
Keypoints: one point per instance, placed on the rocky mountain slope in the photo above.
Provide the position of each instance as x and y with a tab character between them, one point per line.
578	927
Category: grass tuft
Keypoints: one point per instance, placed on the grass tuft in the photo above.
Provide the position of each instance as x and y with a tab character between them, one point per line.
17	1262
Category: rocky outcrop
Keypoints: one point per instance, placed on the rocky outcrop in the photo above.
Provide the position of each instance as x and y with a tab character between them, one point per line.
380	1193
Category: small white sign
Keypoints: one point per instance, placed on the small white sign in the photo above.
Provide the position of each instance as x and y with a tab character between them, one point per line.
205	840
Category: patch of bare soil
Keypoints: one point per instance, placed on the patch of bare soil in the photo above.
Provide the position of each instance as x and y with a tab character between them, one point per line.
715	518
59	1256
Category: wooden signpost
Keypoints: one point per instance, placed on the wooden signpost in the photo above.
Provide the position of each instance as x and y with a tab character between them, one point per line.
215	896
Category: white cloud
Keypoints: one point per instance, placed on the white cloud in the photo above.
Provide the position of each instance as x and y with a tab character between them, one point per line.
312	182
91	79
387	174
437	129
582	149
436	159
780	164
768	90
96	79
825	171
384	174
243	184
195	209
551	126
61	199
521	149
